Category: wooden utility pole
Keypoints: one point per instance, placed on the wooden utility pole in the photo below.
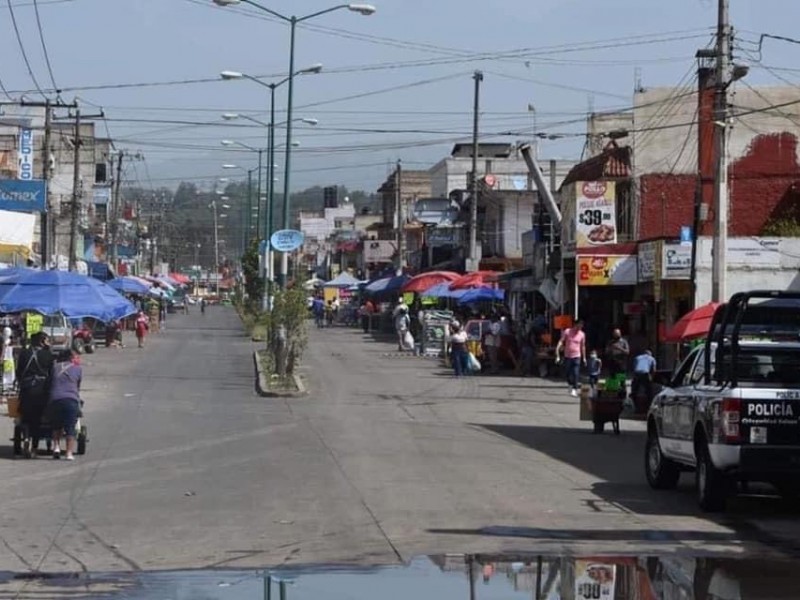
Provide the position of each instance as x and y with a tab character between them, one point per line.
76	194
472	263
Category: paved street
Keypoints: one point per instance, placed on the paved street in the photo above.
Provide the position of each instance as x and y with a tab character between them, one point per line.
387	458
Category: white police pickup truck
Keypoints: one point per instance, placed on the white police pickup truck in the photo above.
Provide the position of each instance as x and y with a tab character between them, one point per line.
731	411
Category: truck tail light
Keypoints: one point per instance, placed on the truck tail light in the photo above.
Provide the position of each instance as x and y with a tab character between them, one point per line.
731	416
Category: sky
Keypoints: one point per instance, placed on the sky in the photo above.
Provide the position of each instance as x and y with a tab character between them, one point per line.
396	85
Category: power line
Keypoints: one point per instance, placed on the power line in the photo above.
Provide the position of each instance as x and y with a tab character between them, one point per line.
22	48
44	44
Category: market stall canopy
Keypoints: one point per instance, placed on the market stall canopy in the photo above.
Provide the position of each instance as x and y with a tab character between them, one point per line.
163	283
181	278
477	279
343	279
52	292
442	290
692	325
484	294
423	281
386	285
129	285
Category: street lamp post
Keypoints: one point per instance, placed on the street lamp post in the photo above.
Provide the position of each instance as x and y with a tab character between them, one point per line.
364	9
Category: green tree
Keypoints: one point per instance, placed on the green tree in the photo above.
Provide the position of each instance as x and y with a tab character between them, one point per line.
253	282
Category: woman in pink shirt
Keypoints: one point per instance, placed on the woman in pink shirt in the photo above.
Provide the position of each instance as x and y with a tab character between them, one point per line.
573	345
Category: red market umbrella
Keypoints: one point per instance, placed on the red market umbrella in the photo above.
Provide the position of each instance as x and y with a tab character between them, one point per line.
180	278
425	281
478	279
693	324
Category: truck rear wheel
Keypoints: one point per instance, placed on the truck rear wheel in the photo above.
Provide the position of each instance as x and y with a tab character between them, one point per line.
661	472
712	484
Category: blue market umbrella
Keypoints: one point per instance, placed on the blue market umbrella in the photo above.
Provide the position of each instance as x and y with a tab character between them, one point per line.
442	290
129	285
484	294
52	292
386	285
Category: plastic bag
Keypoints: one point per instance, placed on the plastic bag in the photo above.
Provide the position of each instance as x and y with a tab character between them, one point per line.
473	363
408	341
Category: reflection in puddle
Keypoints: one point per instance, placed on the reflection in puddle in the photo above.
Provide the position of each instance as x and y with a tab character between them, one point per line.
445	577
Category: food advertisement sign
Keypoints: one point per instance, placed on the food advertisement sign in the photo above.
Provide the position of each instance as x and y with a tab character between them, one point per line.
607	270
595	214
595	580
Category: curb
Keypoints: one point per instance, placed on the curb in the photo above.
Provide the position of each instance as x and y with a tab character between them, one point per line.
262	383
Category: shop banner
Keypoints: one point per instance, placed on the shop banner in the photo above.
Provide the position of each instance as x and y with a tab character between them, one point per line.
23	196
25	154
607	270
595	214
594	580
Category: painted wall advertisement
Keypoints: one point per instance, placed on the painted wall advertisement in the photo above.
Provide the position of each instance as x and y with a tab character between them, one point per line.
595	214
594	580
607	270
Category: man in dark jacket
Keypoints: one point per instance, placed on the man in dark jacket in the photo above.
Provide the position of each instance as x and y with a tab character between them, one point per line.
33	374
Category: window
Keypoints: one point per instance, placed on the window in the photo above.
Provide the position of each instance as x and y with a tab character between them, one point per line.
100	173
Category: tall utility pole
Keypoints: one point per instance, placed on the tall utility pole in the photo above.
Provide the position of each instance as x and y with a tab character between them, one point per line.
44	228
472	263
114	220
401	239
723	78
76	194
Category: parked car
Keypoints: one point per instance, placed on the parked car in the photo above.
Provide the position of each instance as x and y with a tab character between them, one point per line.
60	331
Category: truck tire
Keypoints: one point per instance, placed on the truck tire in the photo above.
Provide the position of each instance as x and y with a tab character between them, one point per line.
661	472
712	485
78	345
89	348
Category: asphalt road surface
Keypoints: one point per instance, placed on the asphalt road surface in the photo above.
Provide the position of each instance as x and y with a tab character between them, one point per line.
387	458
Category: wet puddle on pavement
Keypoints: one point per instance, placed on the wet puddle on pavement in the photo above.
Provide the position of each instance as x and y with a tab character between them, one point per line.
443	577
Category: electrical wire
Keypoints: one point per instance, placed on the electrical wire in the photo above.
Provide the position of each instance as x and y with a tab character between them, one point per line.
22	48
44	44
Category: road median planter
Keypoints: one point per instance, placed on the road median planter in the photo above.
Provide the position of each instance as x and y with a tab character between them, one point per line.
269	385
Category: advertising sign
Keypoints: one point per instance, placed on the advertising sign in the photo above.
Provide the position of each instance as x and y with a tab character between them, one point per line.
23	196
25	154
677	261
595	214
377	251
647	261
287	240
607	270
594	580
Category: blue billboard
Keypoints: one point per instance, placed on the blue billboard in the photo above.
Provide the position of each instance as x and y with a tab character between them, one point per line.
23	195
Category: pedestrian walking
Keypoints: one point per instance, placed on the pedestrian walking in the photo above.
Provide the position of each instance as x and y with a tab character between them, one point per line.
142	327
617	353
162	314
458	349
33	373
318	310
202	305
644	365
573	346
402	323
186	304
492	342
64	408
594	367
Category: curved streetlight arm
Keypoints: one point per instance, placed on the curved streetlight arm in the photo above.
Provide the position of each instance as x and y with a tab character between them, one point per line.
321	12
